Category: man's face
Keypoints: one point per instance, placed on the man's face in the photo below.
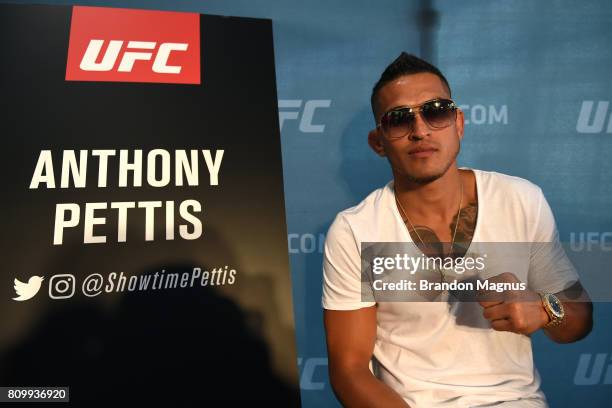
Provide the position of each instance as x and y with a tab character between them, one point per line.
425	166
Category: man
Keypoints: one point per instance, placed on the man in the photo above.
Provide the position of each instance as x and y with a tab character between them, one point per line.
424	353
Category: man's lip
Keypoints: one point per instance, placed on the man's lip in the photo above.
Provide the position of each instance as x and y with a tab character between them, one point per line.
422	149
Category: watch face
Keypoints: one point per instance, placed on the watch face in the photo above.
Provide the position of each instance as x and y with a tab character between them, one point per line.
555	305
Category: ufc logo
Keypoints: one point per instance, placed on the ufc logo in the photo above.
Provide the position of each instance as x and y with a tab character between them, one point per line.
592	118
309	368
591	241
127	45
593	369
129	58
290	109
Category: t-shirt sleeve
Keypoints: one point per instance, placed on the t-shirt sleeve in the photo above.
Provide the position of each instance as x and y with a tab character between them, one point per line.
550	269
342	287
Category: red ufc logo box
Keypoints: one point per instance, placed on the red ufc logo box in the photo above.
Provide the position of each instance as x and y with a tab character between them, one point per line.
126	45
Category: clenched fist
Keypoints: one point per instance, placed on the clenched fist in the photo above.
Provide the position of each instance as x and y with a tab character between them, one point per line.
518	311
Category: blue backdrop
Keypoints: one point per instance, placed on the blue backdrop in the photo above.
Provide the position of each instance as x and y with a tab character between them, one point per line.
534	81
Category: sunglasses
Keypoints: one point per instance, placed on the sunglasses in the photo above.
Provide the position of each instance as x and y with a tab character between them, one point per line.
400	121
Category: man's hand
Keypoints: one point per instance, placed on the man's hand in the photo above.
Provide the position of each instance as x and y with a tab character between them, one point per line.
518	311
351	335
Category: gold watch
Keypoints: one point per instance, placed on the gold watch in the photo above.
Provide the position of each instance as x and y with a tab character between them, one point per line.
554	309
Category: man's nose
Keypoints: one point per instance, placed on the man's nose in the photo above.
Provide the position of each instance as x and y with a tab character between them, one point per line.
421	128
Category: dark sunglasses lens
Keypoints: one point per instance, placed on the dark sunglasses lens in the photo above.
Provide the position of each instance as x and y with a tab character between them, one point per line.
397	123
439	113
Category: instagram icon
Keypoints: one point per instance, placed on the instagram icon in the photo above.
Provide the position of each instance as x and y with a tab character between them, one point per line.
61	286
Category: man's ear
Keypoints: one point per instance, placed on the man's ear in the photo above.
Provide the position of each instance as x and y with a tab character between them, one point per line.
460	123
376	143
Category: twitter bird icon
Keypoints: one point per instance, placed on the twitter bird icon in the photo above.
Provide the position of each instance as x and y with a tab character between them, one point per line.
28	290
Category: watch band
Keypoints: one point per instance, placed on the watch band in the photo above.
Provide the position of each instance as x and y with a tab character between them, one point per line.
556	317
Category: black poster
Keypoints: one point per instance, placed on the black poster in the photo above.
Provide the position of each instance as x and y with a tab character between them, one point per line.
143	220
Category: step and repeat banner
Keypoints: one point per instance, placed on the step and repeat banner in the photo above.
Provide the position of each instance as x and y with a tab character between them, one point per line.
143	231
531	77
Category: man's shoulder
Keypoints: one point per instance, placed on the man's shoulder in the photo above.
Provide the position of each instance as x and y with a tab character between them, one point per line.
367	220
506	184
367	207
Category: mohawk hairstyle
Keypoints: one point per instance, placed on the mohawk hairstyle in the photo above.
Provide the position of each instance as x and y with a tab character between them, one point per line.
405	64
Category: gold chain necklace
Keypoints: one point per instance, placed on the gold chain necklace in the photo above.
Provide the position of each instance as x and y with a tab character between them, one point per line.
452	245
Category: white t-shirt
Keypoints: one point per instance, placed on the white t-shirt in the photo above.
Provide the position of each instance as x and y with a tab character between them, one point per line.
445	354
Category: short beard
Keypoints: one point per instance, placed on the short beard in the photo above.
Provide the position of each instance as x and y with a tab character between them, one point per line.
425	180
428	179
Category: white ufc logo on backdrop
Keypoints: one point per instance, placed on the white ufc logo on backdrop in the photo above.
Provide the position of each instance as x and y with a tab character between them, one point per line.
592	240
593	120
309	369
290	109
593	369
